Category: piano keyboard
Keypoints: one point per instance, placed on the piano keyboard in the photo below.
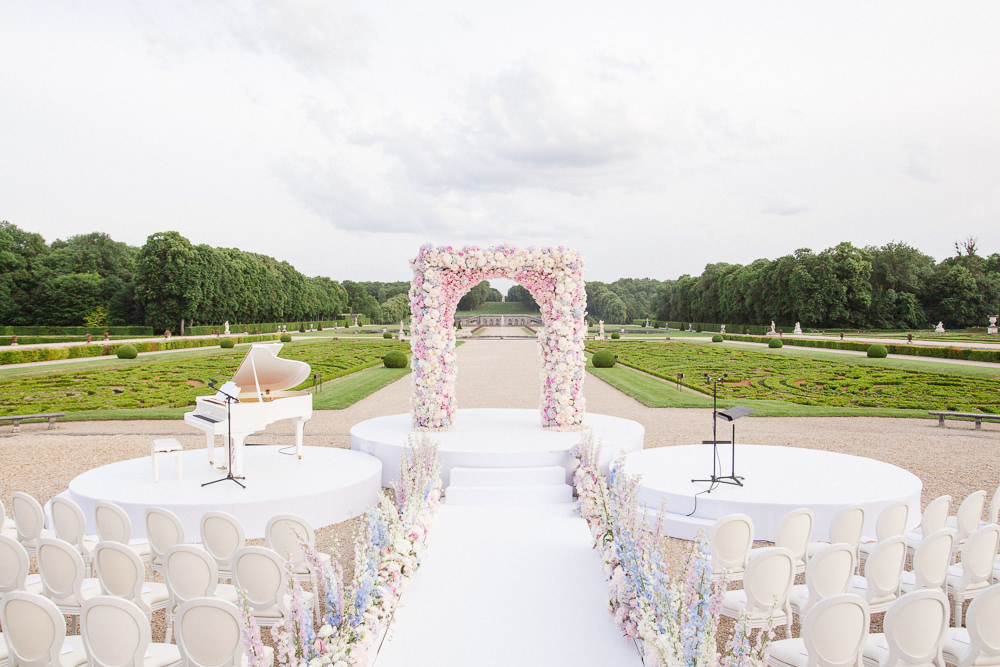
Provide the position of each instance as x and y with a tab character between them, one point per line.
208	418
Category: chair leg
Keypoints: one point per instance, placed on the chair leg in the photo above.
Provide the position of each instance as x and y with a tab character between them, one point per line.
169	634
956	615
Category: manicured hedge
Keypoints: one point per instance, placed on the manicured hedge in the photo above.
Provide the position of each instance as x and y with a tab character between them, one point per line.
717	338
603	359
395	359
95	350
774	343
877	351
75	331
127	351
891	348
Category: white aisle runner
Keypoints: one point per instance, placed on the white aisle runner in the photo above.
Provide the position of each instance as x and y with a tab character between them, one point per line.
506	585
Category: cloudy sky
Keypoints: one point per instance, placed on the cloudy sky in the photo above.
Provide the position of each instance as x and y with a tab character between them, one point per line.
654	136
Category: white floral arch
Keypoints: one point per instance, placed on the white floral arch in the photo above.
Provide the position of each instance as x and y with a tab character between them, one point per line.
553	276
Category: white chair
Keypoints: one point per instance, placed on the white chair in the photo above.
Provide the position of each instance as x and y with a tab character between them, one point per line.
933	519
979	642
261	573
113	525
209	634
167	447
993	512
766	584
914	632
29	519
70	525
14	565
222	535
794	532
890	523
966	519
190	572
846	527
122	573
7	525
880	584
830	572
63	580
834	632
3	651
975	573
35	633
930	563
731	538
116	633
163	530
283	533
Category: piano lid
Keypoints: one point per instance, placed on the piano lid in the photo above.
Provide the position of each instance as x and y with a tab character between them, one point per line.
262	369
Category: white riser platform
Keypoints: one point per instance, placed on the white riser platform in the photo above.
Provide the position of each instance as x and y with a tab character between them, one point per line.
540	476
509	495
678	525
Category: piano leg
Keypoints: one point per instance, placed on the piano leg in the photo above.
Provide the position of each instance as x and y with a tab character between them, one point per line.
299	423
238	454
210	446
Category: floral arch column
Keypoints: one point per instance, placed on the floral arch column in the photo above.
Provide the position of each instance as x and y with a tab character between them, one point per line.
553	276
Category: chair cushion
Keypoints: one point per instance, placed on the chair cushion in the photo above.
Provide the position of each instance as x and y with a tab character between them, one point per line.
162	655
876	649
228	593
787	652
268	658
73	653
956	645
304	568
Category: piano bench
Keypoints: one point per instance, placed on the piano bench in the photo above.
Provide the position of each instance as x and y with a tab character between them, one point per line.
165	447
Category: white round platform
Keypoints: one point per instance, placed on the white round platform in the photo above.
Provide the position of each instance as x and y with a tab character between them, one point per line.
776	480
327	486
494	438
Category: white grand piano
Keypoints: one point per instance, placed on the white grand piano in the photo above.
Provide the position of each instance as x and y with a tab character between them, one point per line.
263	380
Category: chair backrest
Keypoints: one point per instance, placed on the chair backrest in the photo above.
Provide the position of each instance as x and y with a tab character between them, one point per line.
993	515
163	530
892	521
222	534
983	622
33	628
14	565
209	633
978	555
914	627
261	573
794	532
969	513
283	533
884	568
3	513
113	524
932	558
115	632
835	629
846	527
68	521
830	572
62	570
28	516
768	579
731	538
121	573
190	572
935	515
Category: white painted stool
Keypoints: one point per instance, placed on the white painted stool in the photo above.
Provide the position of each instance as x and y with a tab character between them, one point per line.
168	446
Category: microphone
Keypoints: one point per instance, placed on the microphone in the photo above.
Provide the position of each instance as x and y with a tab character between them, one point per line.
211	383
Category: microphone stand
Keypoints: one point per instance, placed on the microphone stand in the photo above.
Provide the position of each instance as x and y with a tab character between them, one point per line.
230	399
716	478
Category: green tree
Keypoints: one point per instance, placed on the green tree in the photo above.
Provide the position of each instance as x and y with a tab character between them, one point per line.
168	281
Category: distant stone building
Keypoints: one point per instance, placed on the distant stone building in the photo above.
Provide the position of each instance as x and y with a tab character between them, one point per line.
518	320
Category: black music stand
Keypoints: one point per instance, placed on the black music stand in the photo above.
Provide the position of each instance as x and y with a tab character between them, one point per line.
230	399
730	415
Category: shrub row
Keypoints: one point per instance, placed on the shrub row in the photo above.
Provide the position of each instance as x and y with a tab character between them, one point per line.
45	340
95	350
891	348
75	331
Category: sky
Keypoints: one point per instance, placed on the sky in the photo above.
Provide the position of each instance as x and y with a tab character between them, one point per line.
655	137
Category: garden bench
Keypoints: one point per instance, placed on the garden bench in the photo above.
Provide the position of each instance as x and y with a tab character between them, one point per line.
17	419
977	416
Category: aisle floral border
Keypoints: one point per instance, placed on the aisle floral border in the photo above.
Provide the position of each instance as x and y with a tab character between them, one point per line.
386	553
673	620
553	276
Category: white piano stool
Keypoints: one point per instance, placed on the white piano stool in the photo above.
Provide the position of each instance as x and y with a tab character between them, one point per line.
168	447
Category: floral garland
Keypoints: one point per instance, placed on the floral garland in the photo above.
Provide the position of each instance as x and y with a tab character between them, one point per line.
386	553
674	620
553	276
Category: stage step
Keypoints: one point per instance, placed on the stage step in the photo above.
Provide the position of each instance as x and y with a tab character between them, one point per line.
537	476
522	494
678	525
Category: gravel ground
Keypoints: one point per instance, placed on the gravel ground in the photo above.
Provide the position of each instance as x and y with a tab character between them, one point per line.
955	459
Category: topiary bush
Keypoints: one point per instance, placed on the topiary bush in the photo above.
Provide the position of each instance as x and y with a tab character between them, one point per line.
286	338
394	359
302	327
387	335
615	335
774	343
603	359
226	343
877	351
717	338
127	351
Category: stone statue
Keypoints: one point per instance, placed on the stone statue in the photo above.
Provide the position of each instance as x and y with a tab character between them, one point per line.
722	329
798	328
939	328
600	334
401	330
992	329
647	322
771	331
226	325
